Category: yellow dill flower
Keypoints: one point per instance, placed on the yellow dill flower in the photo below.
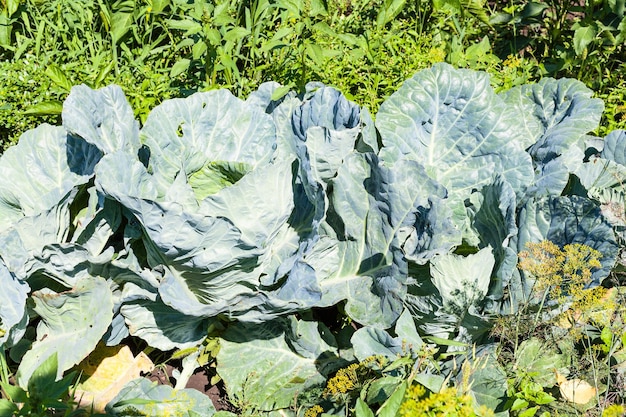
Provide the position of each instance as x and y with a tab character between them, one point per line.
544	261
447	402
412	404
596	306
563	272
343	382
415	391
614	410
314	411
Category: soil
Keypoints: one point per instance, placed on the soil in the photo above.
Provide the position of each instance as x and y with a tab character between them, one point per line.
199	381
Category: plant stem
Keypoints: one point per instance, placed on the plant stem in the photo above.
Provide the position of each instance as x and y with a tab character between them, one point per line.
4	369
543	300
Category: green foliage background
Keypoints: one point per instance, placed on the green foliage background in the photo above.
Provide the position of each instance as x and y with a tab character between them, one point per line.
158	49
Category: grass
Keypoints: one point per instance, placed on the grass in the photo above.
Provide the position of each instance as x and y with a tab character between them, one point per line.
365	48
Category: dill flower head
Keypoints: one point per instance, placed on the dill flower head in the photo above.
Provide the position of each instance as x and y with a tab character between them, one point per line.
563	272
614	410
418	402
314	411
343	382
544	261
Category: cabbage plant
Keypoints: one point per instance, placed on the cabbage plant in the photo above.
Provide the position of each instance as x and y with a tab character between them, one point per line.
261	213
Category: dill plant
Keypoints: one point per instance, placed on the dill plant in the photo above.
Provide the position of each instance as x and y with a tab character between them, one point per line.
565	314
562	275
345	381
419	402
341	388
364	381
560	272
350	379
559	292
314	411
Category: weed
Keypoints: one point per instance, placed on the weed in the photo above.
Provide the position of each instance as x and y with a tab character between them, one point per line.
44	396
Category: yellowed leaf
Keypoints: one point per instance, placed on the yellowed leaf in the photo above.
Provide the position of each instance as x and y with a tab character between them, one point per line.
575	390
108	369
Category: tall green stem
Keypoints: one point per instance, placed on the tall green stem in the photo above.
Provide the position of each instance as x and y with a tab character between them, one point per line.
4	368
543	300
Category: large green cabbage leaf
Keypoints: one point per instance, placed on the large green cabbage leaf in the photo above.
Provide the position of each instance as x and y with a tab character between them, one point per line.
143	397
41	170
454	124
420	212
27	236
327	126
603	180
358	258
189	135
265	366
492	213
370	341
281	111
13	302
82	316
615	147
102	118
556	115
446	299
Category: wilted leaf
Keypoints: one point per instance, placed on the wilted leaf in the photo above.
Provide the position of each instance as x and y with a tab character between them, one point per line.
575	390
109	369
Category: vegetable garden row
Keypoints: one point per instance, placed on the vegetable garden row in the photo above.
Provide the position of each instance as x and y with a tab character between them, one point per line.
315	260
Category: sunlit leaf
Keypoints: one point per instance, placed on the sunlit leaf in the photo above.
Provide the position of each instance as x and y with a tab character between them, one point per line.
108	369
575	390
